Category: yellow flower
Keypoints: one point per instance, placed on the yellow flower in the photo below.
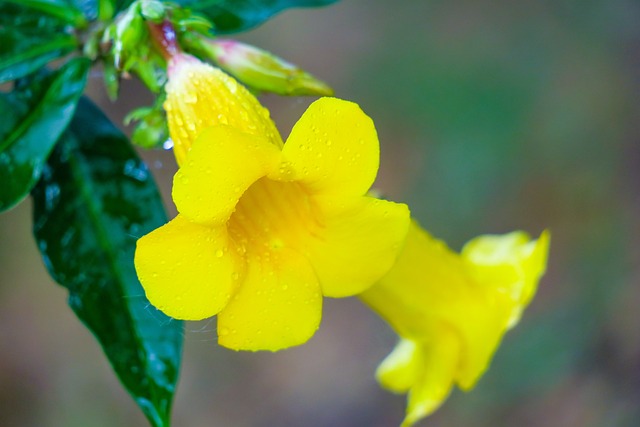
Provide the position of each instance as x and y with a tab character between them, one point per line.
264	230
452	310
200	96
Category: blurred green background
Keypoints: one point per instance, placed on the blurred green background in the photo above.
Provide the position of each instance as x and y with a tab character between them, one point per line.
493	116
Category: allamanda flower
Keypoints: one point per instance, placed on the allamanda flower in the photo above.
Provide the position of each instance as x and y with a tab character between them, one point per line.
452	310
265	229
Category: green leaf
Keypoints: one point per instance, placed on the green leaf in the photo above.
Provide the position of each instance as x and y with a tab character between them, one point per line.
29	40
55	8
95	198
76	12
229	16
33	118
28	55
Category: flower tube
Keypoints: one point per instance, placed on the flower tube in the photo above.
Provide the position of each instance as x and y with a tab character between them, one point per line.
265	229
451	311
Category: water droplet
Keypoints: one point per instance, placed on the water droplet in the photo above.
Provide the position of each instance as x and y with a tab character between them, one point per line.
168	144
223	331
190	97
233	86
134	170
52	194
219	253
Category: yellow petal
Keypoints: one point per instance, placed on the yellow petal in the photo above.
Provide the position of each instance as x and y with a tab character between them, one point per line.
277	306
222	164
188	271
453	308
360	242
508	265
200	96
430	285
427	280
399	371
333	148
433	385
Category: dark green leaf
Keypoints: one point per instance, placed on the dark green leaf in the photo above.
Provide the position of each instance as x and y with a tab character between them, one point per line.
95	198
229	16
28	40
59	9
122	4
28	55
33	118
75	12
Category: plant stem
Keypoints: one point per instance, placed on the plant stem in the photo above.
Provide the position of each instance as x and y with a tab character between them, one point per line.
164	37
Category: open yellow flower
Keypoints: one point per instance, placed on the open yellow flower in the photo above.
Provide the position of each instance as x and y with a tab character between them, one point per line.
264	230
452	310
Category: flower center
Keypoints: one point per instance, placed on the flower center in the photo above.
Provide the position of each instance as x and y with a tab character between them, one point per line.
273	215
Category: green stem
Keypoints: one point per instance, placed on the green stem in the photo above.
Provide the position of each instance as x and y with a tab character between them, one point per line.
165	38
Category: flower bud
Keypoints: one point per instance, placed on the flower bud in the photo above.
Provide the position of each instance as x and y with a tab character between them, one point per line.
263	71
127	33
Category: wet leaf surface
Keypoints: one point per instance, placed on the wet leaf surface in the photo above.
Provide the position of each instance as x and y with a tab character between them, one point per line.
229	16
95	198
34	117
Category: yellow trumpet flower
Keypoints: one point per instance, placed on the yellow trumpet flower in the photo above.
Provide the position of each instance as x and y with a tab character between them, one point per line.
451	311
265	229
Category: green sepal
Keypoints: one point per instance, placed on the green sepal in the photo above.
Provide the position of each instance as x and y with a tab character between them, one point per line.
132	51
151	124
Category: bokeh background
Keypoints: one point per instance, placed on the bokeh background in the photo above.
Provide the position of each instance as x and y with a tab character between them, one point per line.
493	116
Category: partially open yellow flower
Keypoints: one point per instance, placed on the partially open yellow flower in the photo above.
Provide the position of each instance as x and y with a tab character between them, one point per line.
264	230
452	310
